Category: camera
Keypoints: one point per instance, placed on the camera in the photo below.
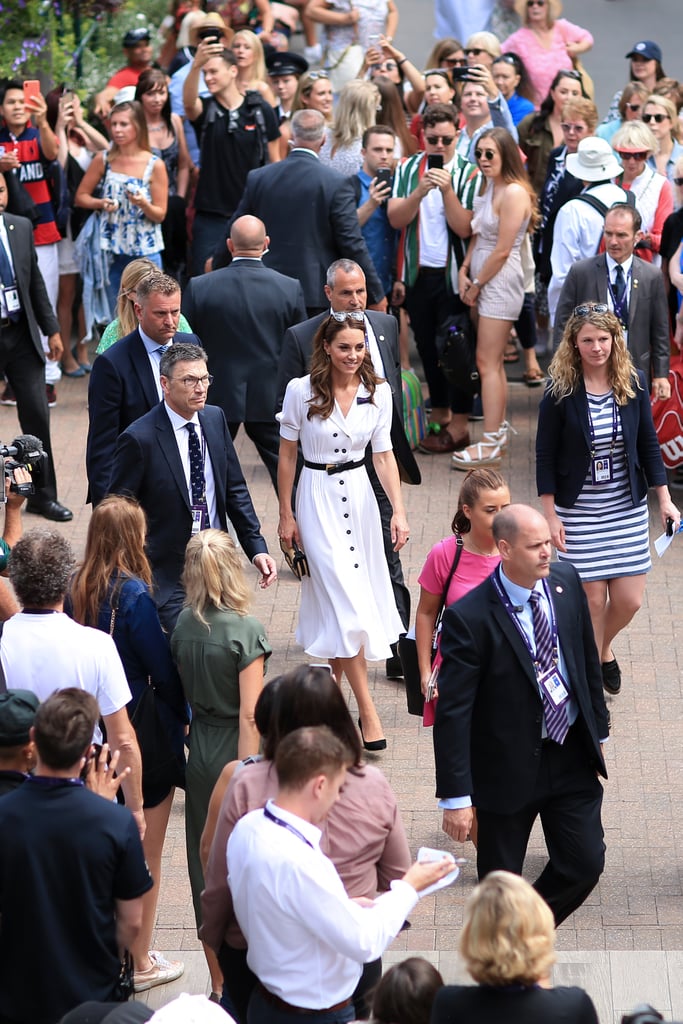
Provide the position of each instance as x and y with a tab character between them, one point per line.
26	451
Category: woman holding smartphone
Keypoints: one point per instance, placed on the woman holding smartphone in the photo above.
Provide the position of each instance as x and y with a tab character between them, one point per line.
134	194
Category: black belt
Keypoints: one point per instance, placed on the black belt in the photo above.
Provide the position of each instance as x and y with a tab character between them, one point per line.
270	997
432	270
333	467
6	321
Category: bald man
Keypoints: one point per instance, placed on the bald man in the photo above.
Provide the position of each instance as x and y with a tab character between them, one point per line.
521	716
241	314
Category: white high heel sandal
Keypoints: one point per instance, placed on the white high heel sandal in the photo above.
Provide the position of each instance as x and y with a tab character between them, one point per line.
483	453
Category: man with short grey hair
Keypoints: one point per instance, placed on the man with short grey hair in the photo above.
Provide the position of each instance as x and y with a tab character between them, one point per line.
310	210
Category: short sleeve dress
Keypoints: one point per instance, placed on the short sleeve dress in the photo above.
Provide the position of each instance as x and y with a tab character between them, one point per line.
502	297
210	662
347	602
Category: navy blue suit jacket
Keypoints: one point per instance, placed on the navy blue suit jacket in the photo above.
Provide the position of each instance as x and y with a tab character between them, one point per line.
563	445
147	465
121	389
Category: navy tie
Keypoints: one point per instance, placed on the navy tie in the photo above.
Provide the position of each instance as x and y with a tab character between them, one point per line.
619	284
556	720
197	484
7	277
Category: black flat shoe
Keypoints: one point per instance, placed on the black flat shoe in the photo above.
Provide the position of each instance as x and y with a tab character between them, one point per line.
50	510
611	676
372	745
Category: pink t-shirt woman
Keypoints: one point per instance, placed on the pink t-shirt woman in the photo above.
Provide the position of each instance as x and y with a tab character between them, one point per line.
543	62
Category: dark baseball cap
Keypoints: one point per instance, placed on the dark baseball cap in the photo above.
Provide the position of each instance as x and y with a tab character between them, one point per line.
646	49
17	711
135	36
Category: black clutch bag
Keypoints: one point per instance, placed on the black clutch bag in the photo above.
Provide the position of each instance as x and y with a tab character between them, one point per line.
456	346
295	559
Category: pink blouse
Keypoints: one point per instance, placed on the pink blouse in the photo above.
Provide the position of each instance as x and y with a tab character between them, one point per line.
543	64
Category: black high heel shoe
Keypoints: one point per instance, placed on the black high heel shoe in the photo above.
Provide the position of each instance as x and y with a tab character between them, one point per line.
372	745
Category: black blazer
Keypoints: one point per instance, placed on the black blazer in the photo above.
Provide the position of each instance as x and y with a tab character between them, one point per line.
648	318
121	389
491	1005
310	215
147	465
35	303
563	445
295	362
489	716
241	314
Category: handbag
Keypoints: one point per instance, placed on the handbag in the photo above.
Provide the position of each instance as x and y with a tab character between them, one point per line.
295	558
456	348
407	645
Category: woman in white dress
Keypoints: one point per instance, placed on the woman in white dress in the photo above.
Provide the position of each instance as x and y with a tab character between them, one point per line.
348	613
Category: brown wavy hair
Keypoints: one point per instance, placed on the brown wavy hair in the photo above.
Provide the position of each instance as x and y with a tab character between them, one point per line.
512	168
565	368
322	402
114	546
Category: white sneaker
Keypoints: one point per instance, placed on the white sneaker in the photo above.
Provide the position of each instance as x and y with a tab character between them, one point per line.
313	54
160	973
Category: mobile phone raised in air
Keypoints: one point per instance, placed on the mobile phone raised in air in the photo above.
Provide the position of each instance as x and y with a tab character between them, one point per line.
384	176
434	160
31	88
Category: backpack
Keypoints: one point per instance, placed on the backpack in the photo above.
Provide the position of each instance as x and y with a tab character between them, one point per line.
602	208
254	103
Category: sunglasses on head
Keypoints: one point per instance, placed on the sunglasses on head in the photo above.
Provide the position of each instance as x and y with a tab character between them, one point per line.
352	314
586	308
488	154
571	74
434	140
634	106
441	72
657	118
315	75
633	156
506	58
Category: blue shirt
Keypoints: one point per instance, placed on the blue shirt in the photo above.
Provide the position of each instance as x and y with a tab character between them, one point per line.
380	238
519	107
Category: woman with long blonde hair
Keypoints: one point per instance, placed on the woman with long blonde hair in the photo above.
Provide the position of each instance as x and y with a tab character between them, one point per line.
220	651
596	456
111	591
356	110
125	320
251	64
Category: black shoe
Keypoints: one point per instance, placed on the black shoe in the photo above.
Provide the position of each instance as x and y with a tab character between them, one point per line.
50	510
371	744
394	667
611	676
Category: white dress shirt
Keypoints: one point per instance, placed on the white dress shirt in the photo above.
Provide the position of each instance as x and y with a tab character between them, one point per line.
307	939
182	436
154	355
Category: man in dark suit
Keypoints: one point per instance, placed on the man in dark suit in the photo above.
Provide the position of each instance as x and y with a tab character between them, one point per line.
346	293
124	383
639	302
521	716
241	314
180	492
25	310
310	211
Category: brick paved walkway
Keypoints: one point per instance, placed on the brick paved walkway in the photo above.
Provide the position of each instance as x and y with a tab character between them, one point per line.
639	903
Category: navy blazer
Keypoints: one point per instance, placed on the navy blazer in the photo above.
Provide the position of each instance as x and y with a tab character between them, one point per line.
121	389
563	445
489	716
295	361
147	465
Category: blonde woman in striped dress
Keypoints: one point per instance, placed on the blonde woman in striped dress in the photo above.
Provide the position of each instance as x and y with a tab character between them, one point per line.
596	456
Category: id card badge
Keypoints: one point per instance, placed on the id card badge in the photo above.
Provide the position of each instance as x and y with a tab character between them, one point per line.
601	469
200	518
12	300
554	686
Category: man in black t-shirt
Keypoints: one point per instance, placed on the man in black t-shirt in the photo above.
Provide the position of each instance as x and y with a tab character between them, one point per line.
72	875
237	133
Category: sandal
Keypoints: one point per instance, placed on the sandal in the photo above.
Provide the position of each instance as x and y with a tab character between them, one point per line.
483	453
511	354
533	378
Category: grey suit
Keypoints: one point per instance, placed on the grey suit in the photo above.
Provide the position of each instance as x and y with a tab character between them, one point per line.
648	323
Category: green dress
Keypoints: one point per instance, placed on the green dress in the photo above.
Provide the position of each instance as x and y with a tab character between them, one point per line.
209	662
111	333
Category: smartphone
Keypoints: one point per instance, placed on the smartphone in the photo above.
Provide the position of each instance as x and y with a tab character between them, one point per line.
31	88
460	74
384	176
434	160
211	33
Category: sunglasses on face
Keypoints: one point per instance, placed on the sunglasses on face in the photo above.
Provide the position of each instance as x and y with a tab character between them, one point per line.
388	65
576	128
476	51
633	156
679	182
657	118
586	308
634	106
455	62
434	140
488	154
535	3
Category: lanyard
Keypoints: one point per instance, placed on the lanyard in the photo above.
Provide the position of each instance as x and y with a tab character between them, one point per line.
621	306
285	824
510	609
51	782
615	427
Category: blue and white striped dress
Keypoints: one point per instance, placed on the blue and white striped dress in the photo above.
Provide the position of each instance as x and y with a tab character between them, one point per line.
605	534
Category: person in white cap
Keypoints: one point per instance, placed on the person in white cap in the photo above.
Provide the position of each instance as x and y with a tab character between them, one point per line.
580	222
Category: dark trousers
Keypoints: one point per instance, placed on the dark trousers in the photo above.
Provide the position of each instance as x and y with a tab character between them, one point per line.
207	231
428	303
266	437
262	1011
25	371
568	799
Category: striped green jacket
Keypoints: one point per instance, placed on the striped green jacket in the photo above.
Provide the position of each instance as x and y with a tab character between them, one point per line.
466	184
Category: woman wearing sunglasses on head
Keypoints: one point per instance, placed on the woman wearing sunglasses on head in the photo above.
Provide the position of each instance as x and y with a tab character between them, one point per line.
512	78
545	42
491	280
596	456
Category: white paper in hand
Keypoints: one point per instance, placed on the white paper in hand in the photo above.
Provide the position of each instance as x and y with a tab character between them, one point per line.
426	853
